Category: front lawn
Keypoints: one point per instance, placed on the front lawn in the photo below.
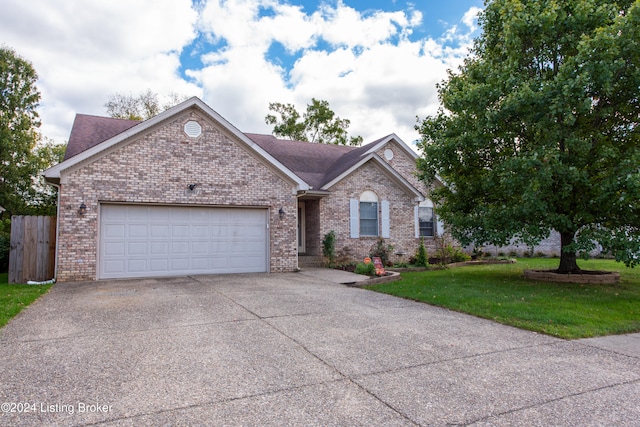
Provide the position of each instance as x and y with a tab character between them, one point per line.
13	298
499	292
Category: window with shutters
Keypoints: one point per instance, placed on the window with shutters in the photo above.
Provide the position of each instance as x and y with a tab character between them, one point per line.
368	214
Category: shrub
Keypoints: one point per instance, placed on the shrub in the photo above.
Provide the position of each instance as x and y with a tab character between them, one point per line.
382	250
5	241
421	259
449	254
368	269
329	247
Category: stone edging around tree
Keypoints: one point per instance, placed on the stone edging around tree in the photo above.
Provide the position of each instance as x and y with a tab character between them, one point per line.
587	277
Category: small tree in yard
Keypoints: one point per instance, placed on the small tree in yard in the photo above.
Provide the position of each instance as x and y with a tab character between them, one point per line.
329	247
421	255
539	129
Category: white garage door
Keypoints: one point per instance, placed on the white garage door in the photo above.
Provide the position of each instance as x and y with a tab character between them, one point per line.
148	241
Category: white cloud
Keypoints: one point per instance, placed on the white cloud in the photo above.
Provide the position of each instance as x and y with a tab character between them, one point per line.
86	50
470	18
368	65
372	74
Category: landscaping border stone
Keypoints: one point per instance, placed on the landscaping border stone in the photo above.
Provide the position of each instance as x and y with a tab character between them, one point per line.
392	276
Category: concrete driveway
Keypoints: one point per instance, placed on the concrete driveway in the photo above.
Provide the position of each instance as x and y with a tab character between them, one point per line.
288	349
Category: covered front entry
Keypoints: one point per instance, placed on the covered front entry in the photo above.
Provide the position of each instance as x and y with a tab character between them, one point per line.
151	241
309	239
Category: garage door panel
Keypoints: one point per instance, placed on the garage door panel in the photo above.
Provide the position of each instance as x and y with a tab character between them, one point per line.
180	215
180	231
200	264
180	248
137	265
159	231
114	249
159	264
159	248
198	231
200	247
137	215
138	241
115	230
138	230
180	264
114	267
137	248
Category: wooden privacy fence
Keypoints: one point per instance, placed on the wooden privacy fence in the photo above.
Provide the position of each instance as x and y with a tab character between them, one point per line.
33	248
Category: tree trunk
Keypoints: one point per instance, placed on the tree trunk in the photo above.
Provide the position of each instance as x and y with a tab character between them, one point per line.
568	259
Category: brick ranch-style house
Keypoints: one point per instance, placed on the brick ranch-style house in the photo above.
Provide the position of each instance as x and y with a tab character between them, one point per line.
186	193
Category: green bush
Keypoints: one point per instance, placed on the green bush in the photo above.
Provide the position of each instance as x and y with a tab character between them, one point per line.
421	259
5	243
329	247
449	254
368	269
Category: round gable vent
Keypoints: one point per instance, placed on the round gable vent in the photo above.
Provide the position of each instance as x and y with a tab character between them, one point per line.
192	129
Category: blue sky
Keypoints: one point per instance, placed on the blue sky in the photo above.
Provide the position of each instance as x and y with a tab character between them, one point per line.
376	62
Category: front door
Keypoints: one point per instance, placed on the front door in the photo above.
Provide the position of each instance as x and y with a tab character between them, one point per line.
301	234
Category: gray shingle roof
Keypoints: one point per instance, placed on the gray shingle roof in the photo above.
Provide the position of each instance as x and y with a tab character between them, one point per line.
88	131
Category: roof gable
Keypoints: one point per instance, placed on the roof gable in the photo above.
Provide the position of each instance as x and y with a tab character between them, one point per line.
384	166
310	165
99	148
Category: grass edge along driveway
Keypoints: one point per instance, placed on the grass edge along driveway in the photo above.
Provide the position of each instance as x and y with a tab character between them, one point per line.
14	297
500	293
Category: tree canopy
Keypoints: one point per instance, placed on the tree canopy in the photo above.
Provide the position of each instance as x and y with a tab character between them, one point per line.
538	130
318	124
141	107
22	190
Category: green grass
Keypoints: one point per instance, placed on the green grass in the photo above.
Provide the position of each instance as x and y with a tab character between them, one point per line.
13	298
500	293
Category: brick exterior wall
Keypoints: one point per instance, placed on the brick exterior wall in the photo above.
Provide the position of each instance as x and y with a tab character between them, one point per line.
547	247
156	168
334	212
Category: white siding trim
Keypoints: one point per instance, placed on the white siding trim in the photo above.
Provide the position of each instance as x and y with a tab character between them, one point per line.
416	221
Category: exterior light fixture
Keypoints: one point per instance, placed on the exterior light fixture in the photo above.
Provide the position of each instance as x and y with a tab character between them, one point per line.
82	209
281	214
192	186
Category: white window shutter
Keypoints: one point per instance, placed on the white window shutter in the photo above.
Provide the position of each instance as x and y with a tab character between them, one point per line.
416	221
386	221
354	220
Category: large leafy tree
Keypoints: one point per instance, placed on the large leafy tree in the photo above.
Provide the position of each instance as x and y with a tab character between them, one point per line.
140	107
44	198
24	153
318	124
18	131
538	130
